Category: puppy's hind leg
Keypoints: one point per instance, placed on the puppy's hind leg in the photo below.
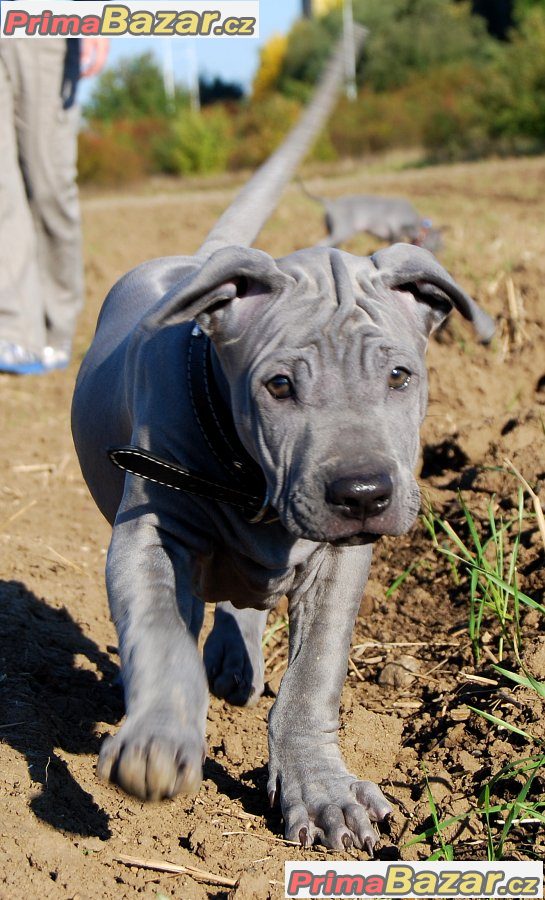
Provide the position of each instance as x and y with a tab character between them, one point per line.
233	654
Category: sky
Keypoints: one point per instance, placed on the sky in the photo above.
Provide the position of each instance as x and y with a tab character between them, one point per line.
234	59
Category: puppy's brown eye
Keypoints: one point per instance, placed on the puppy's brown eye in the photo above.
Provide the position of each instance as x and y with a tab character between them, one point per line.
399	378
280	387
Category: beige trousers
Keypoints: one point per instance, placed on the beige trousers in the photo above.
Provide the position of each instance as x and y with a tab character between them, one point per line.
41	282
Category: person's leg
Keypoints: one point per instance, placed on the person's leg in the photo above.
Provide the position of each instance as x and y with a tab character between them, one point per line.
22	324
48	149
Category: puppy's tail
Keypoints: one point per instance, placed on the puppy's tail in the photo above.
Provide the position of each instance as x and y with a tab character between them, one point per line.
307	193
244	218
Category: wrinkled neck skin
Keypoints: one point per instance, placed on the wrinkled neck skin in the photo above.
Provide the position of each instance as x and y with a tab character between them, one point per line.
337	333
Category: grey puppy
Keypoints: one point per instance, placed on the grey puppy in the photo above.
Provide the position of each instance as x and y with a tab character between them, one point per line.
315	366
389	219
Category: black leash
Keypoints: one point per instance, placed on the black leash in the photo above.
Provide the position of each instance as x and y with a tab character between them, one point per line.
218	430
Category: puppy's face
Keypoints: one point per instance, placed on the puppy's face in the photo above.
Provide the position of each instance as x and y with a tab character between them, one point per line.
328	391
323	355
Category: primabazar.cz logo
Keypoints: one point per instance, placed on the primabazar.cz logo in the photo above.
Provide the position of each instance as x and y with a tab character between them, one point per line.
86	18
513	880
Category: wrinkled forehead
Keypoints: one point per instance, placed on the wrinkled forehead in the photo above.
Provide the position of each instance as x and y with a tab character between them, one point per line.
340	291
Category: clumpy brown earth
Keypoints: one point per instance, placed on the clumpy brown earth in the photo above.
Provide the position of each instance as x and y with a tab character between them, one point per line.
412	672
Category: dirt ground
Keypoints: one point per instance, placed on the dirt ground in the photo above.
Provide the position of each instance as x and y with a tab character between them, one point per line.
61	829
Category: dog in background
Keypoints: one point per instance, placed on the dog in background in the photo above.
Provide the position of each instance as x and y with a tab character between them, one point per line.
390	219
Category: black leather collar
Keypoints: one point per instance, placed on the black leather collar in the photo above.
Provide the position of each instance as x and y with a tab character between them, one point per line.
215	419
246	488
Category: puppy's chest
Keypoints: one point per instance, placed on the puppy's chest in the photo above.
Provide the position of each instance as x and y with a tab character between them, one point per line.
224	575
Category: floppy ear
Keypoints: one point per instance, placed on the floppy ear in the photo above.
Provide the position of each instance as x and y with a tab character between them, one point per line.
231	274
409	268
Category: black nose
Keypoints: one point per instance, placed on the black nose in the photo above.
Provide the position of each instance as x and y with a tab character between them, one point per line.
361	496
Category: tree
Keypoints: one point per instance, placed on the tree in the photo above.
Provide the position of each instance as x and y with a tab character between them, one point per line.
415	36
133	89
498	15
515	94
309	46
406	37
216	90
271	61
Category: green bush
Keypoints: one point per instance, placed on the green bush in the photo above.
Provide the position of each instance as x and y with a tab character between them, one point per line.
453	116
107	159
195	143
119	152
375	122
260	128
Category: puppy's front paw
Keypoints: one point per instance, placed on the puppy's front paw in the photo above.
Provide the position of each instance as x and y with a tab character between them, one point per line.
153	761
323	803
